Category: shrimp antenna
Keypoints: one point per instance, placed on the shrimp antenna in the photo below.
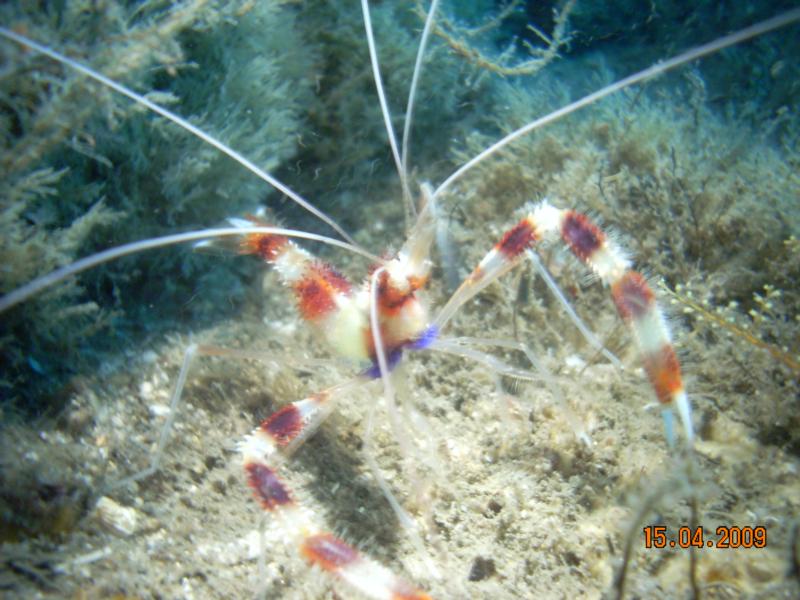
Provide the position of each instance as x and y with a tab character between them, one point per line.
179	121
412	94
45	281
387	117
732	39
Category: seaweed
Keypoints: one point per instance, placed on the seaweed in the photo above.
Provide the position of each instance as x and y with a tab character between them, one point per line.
84	169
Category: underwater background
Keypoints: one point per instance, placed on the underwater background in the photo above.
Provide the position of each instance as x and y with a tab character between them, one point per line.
696	172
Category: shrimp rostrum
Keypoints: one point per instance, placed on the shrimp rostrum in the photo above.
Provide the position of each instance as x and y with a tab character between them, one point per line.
463	497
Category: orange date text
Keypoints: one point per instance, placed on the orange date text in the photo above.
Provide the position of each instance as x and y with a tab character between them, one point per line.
657	536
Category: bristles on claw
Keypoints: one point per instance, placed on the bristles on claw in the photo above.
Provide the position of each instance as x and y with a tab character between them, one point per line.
318	547
517	239
267	487
636	304
582	236
632	295
318	289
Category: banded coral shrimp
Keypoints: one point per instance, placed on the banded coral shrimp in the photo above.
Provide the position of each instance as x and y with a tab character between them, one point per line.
502	505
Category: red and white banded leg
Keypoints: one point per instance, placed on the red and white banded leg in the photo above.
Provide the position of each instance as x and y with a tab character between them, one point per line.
264	450
325	298
632	295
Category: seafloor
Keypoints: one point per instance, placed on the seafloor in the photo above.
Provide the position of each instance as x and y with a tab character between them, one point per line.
695	174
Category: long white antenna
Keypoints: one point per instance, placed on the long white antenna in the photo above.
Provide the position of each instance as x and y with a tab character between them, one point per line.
412	94
45	281
180	121
777	22
387	117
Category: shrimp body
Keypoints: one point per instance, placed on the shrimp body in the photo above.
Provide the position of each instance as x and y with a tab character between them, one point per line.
340	312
